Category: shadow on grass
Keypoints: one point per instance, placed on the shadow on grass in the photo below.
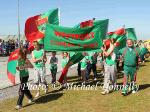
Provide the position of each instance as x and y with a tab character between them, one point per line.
56	91
144	86
48	98
142	65
29	105
72	77
120	75
147	60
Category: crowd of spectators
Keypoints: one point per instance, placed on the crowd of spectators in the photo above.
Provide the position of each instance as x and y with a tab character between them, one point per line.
6	47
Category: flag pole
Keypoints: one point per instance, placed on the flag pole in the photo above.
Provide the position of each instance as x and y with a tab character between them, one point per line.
124	26
18	23
124	29
59	15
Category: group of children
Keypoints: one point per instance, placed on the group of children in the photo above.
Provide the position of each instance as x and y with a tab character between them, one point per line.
107	60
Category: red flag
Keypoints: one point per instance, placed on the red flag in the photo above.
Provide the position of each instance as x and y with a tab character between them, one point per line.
31	30
120	31
86	24
119	36
11	65
35	26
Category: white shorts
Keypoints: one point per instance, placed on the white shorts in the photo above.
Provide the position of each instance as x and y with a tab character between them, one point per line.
39	74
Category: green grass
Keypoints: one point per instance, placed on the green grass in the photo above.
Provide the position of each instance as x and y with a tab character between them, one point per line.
89	100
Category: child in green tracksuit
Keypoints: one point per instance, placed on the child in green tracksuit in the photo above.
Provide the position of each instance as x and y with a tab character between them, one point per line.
53	67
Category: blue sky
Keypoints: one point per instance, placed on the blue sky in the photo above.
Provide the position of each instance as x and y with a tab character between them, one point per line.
131	13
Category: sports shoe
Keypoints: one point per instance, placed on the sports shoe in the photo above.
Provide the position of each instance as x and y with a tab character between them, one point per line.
30	101
46	90
95	79
18	107
124	93
134	91
83	83
37	94
105	92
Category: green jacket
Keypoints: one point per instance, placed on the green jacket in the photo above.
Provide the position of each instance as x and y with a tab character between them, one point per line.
130	56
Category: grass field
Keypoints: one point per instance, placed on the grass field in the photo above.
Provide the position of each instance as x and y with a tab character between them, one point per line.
90	100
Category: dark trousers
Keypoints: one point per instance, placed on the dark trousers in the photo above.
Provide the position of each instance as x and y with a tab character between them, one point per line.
54	72
89	68
142	57
79	69
23	90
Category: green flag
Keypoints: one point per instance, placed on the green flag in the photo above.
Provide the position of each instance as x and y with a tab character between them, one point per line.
130	33
50	17
58	38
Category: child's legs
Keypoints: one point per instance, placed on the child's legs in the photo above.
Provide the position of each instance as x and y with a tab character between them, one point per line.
21	92
20	99
36	76
65	79
53	73
88	70
42	77
26	90
83	73
94	70
79	69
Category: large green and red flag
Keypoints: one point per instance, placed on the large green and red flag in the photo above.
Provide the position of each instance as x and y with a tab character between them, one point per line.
130	33
119	36
35	26
76	56
11	65
58	38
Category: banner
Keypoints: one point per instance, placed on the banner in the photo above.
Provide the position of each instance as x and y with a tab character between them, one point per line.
58	38
75	57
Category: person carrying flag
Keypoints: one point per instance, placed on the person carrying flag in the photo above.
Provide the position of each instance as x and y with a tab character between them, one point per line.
110	65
